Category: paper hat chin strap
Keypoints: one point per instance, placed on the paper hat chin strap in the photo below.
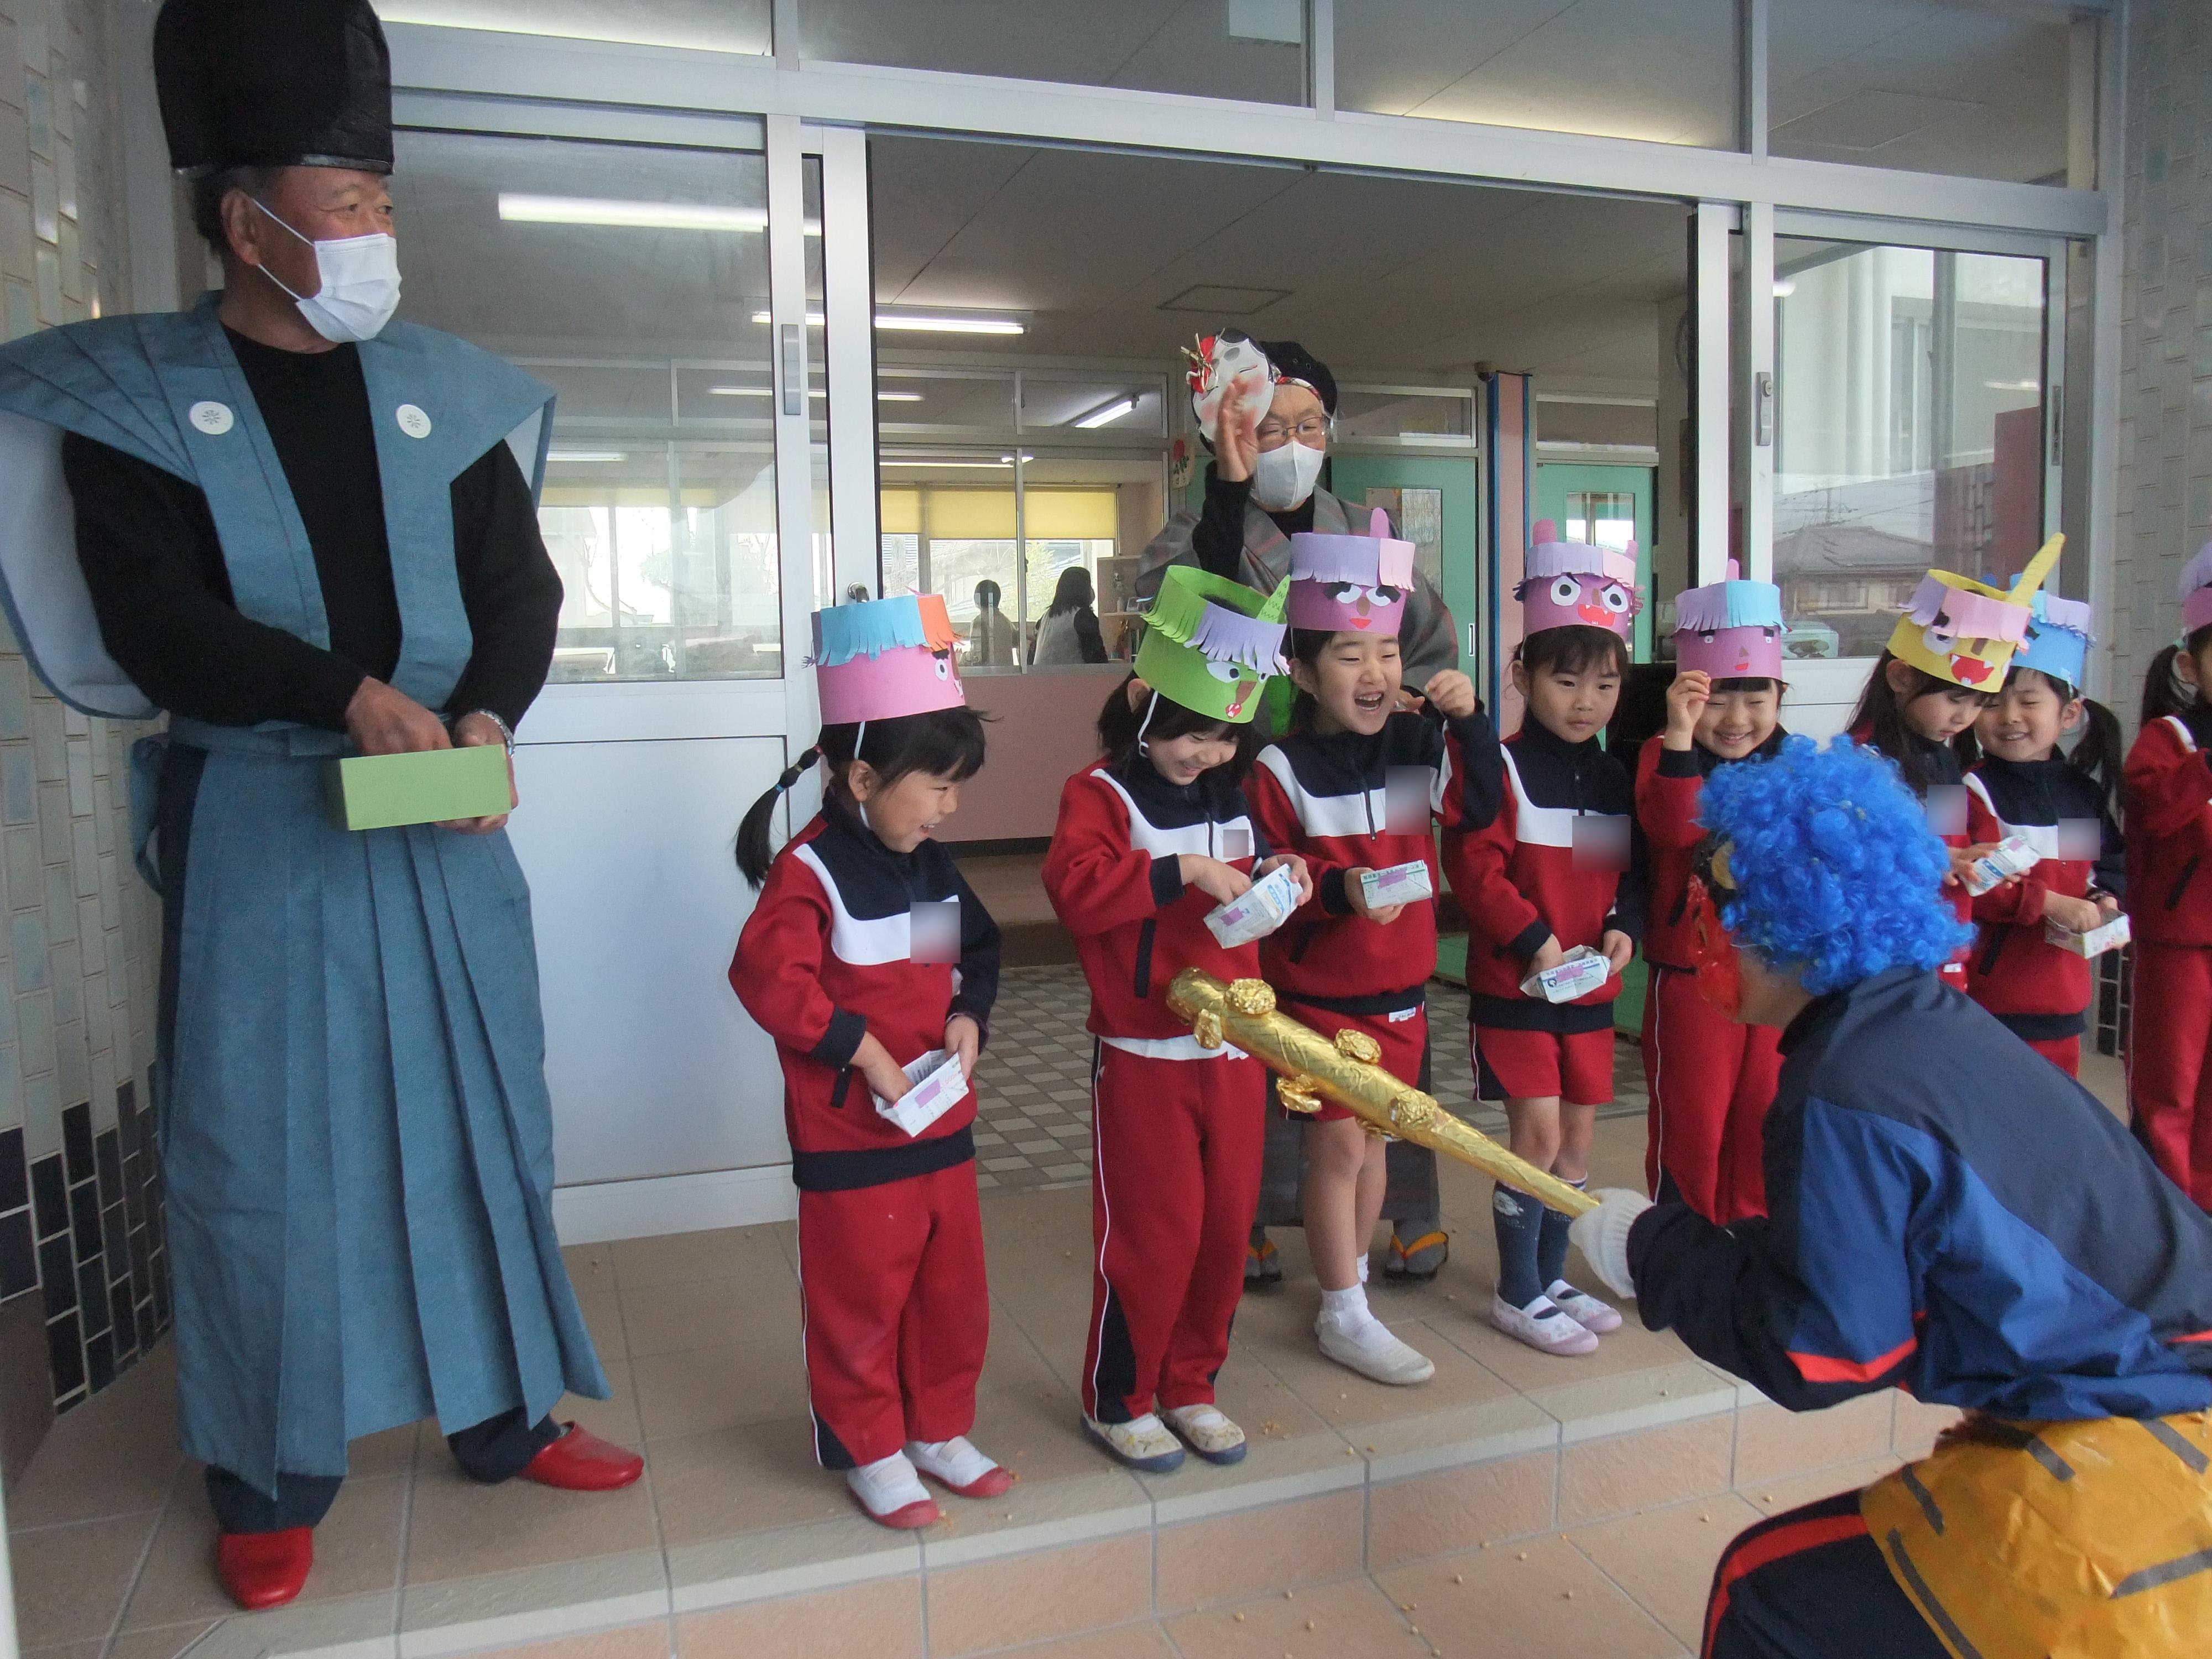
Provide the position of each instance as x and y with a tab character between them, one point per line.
1964	631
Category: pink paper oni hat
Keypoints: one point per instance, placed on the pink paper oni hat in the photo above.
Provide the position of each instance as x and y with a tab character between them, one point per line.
1730	629
2197	591
1350	584
877	658
1575	584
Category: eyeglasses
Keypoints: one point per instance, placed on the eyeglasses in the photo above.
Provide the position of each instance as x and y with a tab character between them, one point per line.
1312	433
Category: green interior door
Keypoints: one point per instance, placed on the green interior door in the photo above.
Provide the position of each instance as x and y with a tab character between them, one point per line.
1432	499
1617	501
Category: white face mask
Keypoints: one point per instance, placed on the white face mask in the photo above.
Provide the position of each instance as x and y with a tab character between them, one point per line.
1284	476
361	285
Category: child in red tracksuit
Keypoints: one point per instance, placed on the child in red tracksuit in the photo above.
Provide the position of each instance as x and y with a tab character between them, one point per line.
1710	1078
1548	872
2061	806
865	952
2168	784
1354	788
1150	839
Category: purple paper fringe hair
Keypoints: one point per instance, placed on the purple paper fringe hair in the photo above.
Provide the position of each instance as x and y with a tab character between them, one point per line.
1223	634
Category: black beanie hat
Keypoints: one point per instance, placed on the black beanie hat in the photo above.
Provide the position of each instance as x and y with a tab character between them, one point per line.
1293	361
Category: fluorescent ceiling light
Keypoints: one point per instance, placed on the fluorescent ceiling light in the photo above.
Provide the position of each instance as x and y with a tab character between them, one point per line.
812	391
913	322
898	396
994	466
588	455
1106	414
1784	287
517	208
2014	386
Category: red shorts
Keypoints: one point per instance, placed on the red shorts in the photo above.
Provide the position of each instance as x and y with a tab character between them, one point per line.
1576	1067
1403	1038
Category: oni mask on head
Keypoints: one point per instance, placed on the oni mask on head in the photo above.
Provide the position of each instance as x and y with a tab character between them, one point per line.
1571	584
1210	644
1350	584
1965	631
876	659
1231	359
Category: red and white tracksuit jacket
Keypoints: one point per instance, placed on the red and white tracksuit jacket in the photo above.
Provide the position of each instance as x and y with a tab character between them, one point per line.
2037	991
1711	1079
1345	802
898	1314
1175	1172
1944	795
2168	786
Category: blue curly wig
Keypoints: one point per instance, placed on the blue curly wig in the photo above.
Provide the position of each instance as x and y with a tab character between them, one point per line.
1837	872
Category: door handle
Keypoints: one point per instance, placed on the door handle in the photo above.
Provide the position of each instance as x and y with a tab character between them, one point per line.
794	369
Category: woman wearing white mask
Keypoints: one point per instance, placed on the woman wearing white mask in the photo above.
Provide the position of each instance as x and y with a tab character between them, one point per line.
1267	408
300	529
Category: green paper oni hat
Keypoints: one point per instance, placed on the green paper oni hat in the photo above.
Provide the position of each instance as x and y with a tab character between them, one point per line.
1210	644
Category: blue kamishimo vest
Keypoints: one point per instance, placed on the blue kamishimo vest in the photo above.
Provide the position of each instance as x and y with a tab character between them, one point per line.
355	1135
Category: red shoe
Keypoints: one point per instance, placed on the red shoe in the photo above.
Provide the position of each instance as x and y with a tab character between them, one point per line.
265	1569
580	1462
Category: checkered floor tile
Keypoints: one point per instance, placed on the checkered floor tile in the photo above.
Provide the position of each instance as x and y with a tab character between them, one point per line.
1033	1128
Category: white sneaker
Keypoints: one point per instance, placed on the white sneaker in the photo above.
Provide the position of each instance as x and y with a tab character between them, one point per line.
1543	1325
1585	1309
1142	1443
1369	1349
891	1493
1208	1433
957	1464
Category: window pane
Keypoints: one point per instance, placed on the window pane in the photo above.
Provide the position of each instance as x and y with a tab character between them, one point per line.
711	25
1248	49
1130	405
659	501
1620	69
1361	414
1910	432
1973	87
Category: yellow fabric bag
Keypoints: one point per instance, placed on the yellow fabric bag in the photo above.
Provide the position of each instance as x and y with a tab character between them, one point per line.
2088	1540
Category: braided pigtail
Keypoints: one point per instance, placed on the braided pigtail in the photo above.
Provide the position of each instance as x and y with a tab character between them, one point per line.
754	851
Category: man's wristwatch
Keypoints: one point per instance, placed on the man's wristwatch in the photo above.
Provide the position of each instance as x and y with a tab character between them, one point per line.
505	731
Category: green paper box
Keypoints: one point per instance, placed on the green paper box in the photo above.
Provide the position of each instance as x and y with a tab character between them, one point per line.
377	791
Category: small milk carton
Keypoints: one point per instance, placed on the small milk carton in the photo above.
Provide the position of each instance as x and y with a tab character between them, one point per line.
1257	911
1583	972
2107	936
938	1083
1400	883
2011	857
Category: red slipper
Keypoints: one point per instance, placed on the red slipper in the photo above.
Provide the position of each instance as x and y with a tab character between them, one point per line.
580	1462
265	1569
908	1518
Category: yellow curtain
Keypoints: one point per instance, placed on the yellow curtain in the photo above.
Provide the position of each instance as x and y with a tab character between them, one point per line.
988	514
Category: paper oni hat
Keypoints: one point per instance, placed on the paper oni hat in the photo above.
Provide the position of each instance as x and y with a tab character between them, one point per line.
2197	591
877	658
2058	641
1730	629
1210	644
1965	631
1350	583
1571	583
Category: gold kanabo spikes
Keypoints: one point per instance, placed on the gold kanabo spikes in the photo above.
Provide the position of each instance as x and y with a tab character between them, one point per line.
1244	1013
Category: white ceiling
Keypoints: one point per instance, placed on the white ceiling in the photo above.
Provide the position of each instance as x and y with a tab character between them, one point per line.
1383	274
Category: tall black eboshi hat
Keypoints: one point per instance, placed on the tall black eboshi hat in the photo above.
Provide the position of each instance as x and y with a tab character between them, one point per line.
273	83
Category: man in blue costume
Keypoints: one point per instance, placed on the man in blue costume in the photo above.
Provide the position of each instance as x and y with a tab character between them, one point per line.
307	532
1948	1214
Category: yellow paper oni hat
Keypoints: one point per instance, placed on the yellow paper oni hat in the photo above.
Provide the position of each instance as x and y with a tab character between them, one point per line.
1965	631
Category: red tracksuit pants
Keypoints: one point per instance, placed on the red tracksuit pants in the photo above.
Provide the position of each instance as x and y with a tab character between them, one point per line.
2064	1053
898	1314
1711	1081
2169	1082
1175	1179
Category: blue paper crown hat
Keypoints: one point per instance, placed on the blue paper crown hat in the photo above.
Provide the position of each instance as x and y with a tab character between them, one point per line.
2057	640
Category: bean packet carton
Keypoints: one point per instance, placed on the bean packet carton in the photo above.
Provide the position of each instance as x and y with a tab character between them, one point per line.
1257	911
1582	972
1398	883
940	1082
2011	857
2107	936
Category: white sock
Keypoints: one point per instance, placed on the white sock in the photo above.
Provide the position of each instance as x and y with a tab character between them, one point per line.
1363	1270
1348	1307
